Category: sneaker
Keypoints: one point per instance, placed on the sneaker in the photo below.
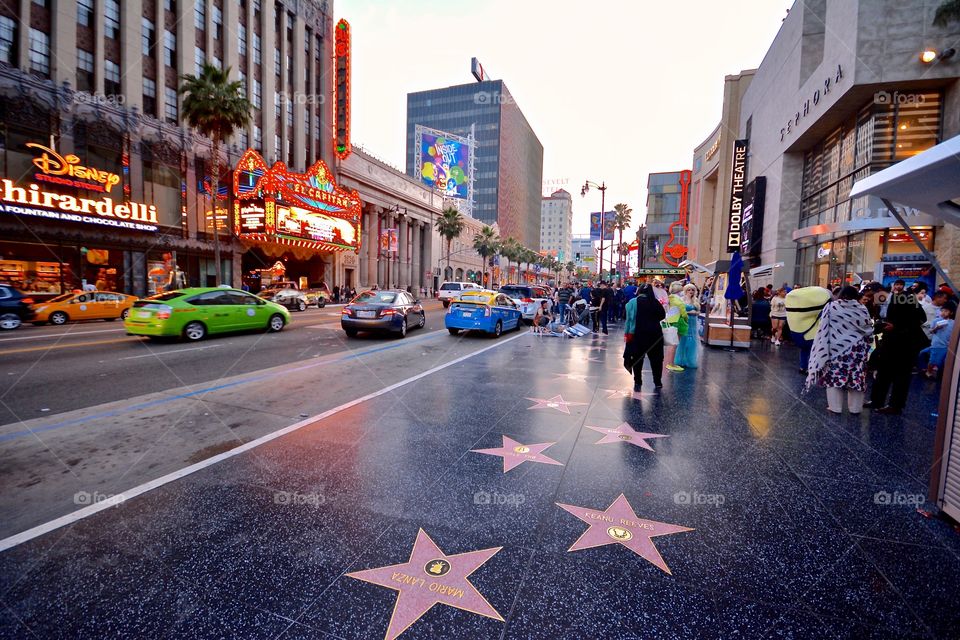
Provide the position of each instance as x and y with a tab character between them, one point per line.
673	367
658	386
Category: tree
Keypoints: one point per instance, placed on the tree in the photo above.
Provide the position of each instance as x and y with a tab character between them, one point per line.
621	222
528	256
571	268
486	243
216	107
450	225
947	12
509	249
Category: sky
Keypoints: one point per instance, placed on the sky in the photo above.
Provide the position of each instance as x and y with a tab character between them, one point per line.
614	89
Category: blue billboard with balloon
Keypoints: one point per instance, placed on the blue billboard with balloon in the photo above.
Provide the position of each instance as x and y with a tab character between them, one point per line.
443	163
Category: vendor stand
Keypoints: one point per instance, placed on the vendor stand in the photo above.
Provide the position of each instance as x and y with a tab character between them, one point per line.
728	321
930	182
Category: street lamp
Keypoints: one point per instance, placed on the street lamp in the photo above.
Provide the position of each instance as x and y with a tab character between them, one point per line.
603	196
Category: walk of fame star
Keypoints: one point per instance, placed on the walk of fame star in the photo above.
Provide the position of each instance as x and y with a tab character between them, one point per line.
595	360
430	577
515	453
618	524
625	433
618	393
556	402
579	377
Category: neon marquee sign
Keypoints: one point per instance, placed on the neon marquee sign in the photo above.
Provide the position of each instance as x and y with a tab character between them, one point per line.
52	165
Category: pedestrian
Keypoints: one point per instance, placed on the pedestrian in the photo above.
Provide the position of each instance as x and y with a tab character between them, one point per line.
660	292
597	301
688	351
838	359
676	313
778	315
901	340
936	354
619	300
644	337
564	297
760	315
586	292
804	306
336	293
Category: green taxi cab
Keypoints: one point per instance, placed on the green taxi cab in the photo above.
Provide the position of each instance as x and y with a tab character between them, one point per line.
193	314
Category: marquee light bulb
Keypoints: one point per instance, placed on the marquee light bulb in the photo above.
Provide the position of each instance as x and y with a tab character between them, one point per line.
928	56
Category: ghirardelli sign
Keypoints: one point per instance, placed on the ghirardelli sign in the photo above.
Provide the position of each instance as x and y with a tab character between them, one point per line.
738	182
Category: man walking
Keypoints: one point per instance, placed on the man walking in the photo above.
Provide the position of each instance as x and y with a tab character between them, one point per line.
564	296
598	302
902	338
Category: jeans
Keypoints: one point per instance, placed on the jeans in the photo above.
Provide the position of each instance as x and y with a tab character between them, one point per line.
600	317
562	314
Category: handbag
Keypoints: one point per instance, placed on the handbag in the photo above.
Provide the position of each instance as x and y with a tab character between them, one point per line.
671	337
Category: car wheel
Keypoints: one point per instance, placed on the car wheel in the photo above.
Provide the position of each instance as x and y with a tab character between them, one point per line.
351	333
301	305
9	321
403	329
124	314
58	317
423	320
454	332
498	329
194	331
276	323
321	303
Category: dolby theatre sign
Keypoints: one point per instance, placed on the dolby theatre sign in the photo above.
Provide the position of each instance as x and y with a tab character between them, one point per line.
33	201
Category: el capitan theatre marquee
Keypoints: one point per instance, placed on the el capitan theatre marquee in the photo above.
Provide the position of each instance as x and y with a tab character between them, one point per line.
34	201
309	210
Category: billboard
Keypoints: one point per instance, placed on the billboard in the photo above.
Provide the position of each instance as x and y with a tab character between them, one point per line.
738	182
443	163
313	225
751	225
609	222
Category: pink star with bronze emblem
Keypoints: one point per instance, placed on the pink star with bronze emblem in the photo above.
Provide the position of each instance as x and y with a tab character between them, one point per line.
430	577
579	377
515	453
556	402
625	433
618	524
618	393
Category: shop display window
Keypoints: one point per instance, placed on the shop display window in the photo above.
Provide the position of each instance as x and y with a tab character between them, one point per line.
34	268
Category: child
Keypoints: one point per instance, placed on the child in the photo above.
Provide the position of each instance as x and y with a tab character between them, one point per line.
940	332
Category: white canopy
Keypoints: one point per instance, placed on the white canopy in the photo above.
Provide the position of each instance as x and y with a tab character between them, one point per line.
696	266
764	269
929	181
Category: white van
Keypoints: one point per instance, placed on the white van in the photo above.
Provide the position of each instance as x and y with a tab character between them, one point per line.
450	290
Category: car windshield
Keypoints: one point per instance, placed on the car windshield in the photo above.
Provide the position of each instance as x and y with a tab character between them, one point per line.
477	298
449	286
61	298
516	292
377	297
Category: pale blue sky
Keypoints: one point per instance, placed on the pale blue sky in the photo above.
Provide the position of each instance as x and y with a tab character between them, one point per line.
614	89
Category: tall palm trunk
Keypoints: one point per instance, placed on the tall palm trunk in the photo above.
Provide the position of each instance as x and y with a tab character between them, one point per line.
214	195
449	248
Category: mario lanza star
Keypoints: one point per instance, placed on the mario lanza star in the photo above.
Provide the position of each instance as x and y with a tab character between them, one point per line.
430	577
556	402
515	453
625	433
618	524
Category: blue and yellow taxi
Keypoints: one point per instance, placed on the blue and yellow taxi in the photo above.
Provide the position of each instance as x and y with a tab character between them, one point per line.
488	311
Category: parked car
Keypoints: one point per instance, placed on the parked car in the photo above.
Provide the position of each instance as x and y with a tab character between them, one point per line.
387	310
527	297
195	313
14	308
286	295
318	293
450	290
488	311
89	305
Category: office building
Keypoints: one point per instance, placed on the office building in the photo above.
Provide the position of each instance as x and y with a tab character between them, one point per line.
556	225
508	154
668	196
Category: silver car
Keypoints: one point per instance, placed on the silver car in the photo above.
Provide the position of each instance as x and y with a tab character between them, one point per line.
291	298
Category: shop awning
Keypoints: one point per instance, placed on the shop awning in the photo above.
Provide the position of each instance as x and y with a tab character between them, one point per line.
929	182
696	266
765	269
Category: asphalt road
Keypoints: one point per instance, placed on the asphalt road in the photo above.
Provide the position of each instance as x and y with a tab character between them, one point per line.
49	370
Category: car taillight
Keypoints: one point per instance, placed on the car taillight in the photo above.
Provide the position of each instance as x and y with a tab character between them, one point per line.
388	312
27	301
526	299
347	311
163	313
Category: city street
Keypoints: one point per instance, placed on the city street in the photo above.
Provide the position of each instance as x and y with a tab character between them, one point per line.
726	505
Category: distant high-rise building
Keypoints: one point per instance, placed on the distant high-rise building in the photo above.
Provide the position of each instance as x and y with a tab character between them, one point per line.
509	156
667	208
584	252
556	225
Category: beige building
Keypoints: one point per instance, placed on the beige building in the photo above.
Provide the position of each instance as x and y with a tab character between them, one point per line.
98	79
556	225
841	93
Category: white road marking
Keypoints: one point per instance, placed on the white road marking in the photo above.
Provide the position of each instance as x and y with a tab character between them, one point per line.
163	353
61	335
80	514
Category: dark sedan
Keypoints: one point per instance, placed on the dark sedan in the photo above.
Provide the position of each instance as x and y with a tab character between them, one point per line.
391	311
14	308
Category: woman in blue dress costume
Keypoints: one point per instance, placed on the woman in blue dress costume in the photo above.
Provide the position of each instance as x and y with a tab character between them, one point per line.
688	351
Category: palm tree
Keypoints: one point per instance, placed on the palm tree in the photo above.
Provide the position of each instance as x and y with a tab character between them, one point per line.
621	222
571	268
486	243
450	225
215	106
528	256
947	12
509	249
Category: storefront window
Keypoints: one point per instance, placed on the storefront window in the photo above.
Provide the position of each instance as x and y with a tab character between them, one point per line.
34	268
899	241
